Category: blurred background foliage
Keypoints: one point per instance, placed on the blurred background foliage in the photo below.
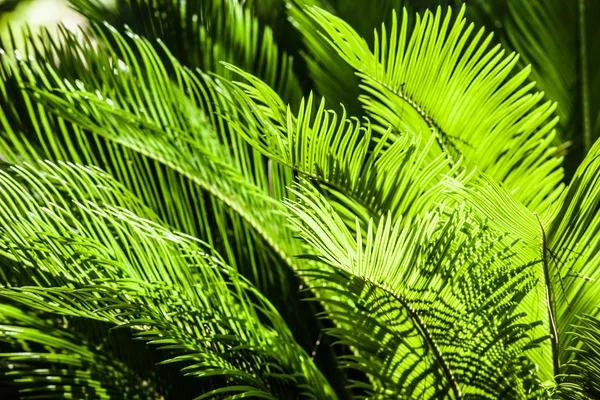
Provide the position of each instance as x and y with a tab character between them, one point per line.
47	14
38	15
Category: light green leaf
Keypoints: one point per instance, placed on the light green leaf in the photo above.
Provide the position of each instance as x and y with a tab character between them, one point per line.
438	80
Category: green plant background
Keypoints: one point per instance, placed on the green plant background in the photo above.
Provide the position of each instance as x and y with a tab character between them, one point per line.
287	199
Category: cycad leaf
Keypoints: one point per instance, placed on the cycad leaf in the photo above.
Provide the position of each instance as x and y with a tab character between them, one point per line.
104	262
562	243
574	248
331	77
201	34
44	359
451	290
433	81
156	127
495	206
560	39
344	154
582	381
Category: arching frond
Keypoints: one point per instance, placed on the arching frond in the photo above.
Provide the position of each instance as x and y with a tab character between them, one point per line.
343	154
145	142
331	77
425	219
560	40
155	127
103	262
495	206
42	358
439	80
574	249
449	324
564	241
583	379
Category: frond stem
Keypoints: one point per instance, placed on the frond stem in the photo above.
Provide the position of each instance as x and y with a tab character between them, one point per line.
428	338
440	135
551	300
585	95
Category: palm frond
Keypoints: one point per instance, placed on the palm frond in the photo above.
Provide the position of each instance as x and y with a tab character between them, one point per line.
160	136
331	77
450	294
130	272
583	379
438	80
165	137
560	40
40	357
563	240
201	34
574	249
342	153
494	205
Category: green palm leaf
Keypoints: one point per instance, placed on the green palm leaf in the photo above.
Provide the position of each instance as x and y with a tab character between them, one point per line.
208	185
454	90
42	358
573	249
345	155
131	272
439	307
425	217
331	78
563	240
202	34
145	142
584	370
560	41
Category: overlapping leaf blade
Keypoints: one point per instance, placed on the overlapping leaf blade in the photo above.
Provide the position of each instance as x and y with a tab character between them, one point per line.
157	128
444	279
559	39
438	80
132	272
43	358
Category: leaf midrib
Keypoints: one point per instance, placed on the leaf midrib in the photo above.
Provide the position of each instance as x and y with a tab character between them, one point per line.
426	334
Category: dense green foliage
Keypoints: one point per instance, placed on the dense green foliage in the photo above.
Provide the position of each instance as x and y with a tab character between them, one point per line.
322	199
